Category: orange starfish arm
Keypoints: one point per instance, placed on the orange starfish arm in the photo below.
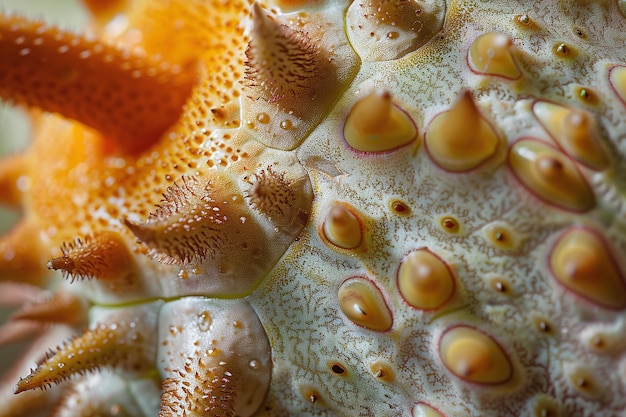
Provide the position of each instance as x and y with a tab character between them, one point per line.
123	94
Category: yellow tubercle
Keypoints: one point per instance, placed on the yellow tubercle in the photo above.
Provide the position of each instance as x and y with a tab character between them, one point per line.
582	263
491	54
342	227
550	175
425	281
474	356
376	124
424	410
460	139
575	131
362	302
500	235
617	78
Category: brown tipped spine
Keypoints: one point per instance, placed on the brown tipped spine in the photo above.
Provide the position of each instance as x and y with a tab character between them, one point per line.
102	256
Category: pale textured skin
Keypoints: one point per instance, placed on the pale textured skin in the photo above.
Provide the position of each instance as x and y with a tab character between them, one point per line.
296	302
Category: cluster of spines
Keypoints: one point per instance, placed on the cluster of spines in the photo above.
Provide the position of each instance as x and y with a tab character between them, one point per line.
270	193
184	228
281	61
103	256
200	392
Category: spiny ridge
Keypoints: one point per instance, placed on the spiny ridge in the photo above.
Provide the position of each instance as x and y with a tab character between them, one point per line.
281	61
129	98
103	256
205	391
116	345
186	225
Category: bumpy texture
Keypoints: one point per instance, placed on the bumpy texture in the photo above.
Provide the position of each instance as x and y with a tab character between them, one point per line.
319	208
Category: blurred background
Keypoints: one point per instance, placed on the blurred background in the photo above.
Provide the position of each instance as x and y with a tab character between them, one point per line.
14	128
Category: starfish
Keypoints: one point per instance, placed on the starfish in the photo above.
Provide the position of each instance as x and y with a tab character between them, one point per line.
317	208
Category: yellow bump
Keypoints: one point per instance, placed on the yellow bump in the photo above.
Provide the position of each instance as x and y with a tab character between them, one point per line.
383	371
581	261
460	139
375	124
400	208
617	77
101	85
424	410
103	256
311	394
491	54
563	50
526	22
342	227
575	131
424	280
543	325
450	225
474	356
500	235
545	406
363	303
586	95
500	285
550	175
585	382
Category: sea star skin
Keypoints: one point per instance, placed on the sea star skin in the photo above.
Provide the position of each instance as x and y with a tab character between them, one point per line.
276	252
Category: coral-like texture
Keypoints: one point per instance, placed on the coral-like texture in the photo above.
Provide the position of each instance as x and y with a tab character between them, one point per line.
327	208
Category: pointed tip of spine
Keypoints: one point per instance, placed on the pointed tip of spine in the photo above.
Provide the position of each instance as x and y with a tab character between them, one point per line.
280	61
103	256
186	225
118	344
